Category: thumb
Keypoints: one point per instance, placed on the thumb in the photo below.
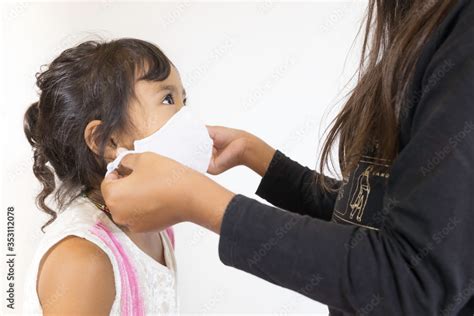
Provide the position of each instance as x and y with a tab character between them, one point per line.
211	130
111	187
116	182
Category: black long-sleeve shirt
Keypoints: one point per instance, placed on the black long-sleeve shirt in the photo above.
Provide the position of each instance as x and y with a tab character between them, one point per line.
396	239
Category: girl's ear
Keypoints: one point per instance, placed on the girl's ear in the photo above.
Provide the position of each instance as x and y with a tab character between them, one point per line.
110	148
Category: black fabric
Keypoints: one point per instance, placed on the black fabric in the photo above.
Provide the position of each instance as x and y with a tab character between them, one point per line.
399	241
290	186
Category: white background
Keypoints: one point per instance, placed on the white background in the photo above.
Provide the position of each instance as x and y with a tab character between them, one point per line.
278	70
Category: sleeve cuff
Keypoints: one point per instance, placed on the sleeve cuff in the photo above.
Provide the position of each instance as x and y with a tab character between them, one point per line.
230	220
272	175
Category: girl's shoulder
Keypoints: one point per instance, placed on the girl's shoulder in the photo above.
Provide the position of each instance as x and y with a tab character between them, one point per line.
80	268
75	242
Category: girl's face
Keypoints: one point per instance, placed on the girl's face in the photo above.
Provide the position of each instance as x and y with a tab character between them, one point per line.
155	104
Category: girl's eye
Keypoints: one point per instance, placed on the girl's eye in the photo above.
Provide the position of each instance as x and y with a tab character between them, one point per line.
168	99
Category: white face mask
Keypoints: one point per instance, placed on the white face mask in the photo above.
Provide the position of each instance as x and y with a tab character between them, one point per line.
183	138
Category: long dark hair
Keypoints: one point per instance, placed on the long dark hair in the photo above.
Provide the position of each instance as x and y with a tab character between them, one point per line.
91	81
395	32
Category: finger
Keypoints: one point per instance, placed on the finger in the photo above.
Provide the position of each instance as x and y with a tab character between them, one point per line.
216	165
112	176
212	130
218	135
124	171
214	171
226	159
212	168
114	187
107	185
127	164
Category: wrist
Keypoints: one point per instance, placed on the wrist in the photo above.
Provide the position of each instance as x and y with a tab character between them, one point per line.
208	203
257	155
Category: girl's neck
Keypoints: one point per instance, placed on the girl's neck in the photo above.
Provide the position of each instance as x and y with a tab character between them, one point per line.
96	197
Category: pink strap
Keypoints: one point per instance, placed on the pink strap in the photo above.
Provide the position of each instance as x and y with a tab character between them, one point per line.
131	301
170	233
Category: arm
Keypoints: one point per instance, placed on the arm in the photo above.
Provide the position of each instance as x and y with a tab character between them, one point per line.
292	187
76	278
285	183
420	262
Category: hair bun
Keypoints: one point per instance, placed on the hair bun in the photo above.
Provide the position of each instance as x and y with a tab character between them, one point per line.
30	121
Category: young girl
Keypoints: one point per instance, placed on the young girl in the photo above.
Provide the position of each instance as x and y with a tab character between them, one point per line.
95	98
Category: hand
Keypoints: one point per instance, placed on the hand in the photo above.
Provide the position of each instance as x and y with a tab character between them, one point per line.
233	147
152	192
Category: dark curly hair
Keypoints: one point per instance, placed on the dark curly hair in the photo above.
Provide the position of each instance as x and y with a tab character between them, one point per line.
91	81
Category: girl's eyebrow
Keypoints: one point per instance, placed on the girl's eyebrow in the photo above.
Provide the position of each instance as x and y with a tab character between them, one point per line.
172	88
